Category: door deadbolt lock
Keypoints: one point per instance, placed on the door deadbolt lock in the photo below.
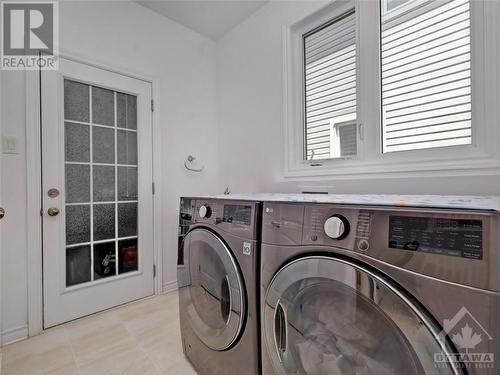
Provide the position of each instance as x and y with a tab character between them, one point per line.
2	212
53	193
53	211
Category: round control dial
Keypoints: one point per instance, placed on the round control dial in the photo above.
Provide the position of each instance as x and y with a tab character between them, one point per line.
336	227
205	211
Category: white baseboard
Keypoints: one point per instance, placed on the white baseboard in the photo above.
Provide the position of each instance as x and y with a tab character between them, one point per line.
12	335
169	286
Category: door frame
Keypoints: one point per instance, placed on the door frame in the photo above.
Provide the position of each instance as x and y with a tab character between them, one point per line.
34	184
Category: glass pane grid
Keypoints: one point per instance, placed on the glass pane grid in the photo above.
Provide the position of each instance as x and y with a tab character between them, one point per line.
102	164
98	125
98	189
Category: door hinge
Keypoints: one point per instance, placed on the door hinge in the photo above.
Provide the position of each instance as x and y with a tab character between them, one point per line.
154	270
153	188
152	105
41	211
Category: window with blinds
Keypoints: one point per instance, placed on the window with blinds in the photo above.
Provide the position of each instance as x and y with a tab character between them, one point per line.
426	74
330	89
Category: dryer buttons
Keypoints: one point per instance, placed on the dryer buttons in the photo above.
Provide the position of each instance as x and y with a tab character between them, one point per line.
205	211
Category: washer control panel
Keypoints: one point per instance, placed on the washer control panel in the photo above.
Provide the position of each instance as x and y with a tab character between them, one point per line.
329	225
445	236
449	244
336	227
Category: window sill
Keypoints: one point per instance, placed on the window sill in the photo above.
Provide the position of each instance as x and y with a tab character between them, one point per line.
356	169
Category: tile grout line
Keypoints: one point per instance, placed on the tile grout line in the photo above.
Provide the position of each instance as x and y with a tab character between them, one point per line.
72	350
139	344
66	339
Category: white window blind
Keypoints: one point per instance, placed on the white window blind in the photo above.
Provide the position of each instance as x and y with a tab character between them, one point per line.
330	88
426	74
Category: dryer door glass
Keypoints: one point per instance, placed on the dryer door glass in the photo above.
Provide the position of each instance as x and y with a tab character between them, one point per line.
329	316
211	290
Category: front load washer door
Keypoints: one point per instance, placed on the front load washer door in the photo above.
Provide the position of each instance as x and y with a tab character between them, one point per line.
328	316
211	290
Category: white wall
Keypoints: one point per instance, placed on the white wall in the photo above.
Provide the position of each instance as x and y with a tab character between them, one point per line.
14	302
126	36
250	114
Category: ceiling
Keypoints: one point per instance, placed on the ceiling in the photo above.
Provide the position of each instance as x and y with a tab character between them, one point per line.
210	18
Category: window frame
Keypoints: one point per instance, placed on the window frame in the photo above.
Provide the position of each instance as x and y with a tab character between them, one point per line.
480	157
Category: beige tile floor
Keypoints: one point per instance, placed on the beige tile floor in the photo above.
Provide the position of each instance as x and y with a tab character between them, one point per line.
141	338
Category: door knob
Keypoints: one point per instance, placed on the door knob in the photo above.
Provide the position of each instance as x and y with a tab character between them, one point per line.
2	212
53	211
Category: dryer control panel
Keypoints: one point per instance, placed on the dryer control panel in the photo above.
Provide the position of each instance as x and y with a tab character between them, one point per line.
240	218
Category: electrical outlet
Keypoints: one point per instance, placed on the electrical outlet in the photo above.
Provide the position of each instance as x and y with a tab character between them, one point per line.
9	145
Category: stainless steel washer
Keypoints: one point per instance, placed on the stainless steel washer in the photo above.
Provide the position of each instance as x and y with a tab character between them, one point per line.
374	290
217	276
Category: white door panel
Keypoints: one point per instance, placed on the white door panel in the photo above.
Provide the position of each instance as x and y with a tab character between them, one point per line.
97	153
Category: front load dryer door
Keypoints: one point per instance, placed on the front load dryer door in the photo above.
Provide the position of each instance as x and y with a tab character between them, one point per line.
211	290
324	315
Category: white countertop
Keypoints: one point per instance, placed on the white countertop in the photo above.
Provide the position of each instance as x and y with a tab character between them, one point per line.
489	203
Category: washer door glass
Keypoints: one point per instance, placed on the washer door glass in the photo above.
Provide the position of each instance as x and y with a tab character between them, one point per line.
327	316
211	290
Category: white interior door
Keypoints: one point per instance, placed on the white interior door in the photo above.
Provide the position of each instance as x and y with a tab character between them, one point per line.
97	196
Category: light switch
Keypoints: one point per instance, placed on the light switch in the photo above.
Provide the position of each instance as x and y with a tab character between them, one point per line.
9	145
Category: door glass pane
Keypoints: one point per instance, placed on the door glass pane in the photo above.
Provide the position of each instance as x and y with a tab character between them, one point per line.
76	101
127	147
103	145
77	265
77	224
104	221
101	198
127	183
77	142
127	219
77	183
103	106
127	250
104	183
126	111
104	260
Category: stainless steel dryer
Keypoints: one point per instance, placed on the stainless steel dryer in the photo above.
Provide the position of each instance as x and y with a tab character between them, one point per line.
373	290
217	268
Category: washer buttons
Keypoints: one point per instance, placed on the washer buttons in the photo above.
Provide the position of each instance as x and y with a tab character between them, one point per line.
363	245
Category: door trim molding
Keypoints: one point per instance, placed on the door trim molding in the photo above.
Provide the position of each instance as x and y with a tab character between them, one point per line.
34	204
34	185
